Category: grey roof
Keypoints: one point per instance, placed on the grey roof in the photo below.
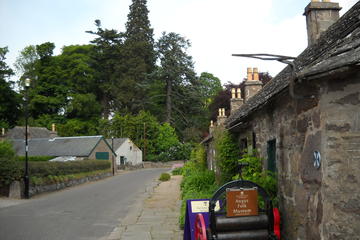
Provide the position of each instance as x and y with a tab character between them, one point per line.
117	142
59	146
33	132
338	47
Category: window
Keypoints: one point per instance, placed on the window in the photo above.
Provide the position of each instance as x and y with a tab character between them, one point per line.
102	155
122	160
271	152
130	148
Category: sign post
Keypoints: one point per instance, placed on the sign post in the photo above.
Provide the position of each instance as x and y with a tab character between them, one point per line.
193	207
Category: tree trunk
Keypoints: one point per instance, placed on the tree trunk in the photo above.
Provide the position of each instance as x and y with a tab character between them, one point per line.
105	107
168	101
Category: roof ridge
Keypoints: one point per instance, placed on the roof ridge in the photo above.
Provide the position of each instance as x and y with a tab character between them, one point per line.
97	136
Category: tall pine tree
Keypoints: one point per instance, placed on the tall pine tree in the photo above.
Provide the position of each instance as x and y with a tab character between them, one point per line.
181	87
139	55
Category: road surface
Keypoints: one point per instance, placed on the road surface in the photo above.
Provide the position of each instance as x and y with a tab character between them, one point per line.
89	211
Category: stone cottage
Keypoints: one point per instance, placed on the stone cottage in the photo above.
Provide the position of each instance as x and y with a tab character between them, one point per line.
77	148
305	123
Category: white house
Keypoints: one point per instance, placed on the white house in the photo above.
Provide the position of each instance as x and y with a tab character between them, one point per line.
126	151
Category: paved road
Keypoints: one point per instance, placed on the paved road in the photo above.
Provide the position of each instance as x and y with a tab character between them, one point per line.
89	211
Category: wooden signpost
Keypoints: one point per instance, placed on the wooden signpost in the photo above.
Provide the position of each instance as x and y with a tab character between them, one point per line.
241	202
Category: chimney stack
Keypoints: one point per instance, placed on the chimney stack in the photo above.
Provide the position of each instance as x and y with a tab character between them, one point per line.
53	132
233	93
320	15
236	101
222	117
252	84
211	128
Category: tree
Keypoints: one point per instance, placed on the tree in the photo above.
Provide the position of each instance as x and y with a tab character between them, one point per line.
142	129
49	87
83	106
210	86
166	138
9	99
107	58
139	57
177	71
25	63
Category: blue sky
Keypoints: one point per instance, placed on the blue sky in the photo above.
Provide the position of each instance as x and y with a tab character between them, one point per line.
216	28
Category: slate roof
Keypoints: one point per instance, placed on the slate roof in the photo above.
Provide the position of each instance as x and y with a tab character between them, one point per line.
59	146
117	142
33	132
338	47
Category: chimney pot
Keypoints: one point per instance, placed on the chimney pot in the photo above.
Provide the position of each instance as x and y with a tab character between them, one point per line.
239	93
249	74
256	74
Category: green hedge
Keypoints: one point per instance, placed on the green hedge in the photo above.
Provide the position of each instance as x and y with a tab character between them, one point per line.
10	169
44	169
35	158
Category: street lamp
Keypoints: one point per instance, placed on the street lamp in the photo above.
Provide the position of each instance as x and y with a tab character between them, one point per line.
112	155
26	177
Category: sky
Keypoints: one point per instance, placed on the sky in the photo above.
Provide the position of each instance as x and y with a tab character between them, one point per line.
216	29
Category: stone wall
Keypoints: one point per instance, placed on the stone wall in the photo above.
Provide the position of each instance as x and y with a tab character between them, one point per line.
294	124
341	158
315	203
34	190
160	164
101	147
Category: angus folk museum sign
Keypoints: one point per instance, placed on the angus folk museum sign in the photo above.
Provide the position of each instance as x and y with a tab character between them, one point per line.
241	202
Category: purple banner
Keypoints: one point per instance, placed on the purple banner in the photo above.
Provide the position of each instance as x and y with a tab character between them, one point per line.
193	207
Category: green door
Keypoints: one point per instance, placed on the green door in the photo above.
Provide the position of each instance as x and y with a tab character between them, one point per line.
102	155
271	151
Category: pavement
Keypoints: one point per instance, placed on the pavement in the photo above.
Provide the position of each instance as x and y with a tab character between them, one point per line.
7	202
154	217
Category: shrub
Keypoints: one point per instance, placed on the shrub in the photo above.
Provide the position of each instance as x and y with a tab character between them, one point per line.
10	169
177	171
164	177
198	183
227	156
255	173
35	158
198	156
34	180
